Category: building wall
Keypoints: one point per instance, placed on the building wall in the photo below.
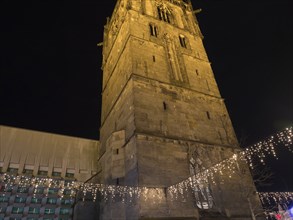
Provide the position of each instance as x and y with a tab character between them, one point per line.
45	156
181	113
49	155
42	202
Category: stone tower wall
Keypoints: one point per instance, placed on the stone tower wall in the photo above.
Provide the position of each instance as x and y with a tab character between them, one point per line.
162	112
180	113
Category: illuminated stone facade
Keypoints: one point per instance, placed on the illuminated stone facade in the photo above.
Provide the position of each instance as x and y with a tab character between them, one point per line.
163	118
43	155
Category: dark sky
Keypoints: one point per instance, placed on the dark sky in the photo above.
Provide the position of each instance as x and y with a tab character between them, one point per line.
51	77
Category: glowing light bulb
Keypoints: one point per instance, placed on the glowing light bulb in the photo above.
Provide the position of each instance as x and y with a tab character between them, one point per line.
291	211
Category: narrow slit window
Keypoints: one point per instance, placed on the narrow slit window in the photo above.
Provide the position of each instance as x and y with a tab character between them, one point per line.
154	58
165	106
182	41
160	13
208	115
156	31
197	73
151	30
117	151
208	87
117	182
167	18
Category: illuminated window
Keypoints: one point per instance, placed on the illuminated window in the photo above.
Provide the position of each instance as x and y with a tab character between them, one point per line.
52	191
56	174
17	210
6	189
20	200
22	190
51	200
164	15
49	211
12	170
28	172
66	201
67	192
64	211
182	41
36	200
153	30
42	173
2	209
39	190
4	199
69	175
34	210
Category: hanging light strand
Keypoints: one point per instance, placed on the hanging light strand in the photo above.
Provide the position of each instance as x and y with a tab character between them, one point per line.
223	169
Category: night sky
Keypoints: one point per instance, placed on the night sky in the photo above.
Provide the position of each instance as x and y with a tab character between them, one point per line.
51	76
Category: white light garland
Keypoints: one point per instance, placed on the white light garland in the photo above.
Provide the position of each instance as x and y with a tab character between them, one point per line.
128	194
250	155
276	203
272	199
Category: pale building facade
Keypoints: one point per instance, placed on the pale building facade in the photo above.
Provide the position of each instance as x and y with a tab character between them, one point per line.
163	118
38	154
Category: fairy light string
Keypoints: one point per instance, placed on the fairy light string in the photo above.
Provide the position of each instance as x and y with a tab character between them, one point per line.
272	199
250	155
225	168
275	203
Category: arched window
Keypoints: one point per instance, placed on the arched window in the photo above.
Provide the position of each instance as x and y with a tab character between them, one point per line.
201	188
164	14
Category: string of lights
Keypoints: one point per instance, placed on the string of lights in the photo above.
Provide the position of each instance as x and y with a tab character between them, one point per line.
224	169
250	155
272	199
277	205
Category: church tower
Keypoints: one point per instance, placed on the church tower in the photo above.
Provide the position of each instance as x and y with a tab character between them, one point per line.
163	118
